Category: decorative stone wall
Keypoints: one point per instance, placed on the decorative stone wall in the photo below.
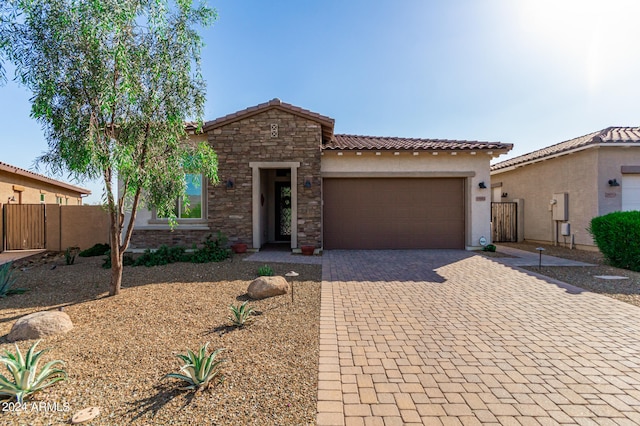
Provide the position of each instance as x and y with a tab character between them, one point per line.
250	140
154	238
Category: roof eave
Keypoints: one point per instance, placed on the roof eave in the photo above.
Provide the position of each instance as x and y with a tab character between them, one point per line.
22	172
562	153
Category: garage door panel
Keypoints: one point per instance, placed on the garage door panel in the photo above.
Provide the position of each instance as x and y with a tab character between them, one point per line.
377	213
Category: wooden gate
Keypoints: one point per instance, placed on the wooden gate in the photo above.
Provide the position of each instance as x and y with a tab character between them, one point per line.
504	220
24	226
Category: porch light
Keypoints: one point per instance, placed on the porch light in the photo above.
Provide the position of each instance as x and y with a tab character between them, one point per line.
481	185
307	182
613	182
12	199
230	183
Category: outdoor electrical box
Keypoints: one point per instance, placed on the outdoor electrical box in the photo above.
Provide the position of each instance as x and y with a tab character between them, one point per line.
565	229
560	208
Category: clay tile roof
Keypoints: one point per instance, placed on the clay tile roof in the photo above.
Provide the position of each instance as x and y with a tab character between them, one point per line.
357	142
326	122
42	178
610	135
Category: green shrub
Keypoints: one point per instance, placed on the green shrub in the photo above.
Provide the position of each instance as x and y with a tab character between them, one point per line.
199	368
25	374
127	260
241	314
96	250
162	256
7	280
617	235
212	250
489	247
265	271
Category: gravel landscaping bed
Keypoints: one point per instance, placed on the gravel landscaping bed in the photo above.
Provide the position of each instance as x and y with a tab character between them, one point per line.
121	347
627	290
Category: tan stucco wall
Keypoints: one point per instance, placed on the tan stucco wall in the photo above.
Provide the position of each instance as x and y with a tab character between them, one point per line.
83	226
27	191
610	162
76	226
575	174
474	168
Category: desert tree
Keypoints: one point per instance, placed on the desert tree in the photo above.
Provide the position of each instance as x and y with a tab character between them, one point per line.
113	84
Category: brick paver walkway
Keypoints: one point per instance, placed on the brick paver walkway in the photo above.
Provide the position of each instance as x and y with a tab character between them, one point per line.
448	337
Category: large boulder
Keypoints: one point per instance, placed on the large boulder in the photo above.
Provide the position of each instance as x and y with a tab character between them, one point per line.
263	287
40	324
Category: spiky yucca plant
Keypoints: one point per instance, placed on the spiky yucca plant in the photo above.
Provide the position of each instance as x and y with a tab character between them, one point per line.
199	368
241	314
25	373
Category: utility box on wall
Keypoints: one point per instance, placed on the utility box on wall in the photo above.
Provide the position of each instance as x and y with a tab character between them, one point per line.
560	208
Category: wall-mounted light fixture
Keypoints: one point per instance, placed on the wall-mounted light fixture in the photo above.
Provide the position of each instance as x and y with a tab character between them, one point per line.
230	183
307	182
613	182
12	199
481	185
504	195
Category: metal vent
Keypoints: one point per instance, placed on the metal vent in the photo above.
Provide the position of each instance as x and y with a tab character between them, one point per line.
274	130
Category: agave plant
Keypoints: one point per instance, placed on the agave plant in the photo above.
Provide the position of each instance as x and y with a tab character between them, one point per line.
7	280
199	368
24	372
241	314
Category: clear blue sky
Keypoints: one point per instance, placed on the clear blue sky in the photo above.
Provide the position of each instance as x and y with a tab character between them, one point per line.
527	72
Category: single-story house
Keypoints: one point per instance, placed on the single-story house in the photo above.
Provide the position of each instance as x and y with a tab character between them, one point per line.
286	177
560	188
32	212
20	186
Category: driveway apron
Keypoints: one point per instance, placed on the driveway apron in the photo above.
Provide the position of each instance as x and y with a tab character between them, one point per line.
448	337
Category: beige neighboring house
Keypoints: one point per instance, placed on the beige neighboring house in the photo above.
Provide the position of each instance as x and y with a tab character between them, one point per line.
560	188
43	213
286	177
20	186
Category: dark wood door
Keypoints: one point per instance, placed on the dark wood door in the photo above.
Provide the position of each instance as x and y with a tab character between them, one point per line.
283	211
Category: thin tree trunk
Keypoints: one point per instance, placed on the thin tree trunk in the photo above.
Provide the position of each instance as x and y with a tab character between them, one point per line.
116	262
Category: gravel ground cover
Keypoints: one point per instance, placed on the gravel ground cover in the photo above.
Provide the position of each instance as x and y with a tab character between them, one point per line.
122	346
585	276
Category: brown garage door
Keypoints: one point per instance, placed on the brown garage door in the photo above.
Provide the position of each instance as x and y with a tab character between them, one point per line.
393	213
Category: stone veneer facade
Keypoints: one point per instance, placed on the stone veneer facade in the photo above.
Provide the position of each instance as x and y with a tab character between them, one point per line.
249	140
229	210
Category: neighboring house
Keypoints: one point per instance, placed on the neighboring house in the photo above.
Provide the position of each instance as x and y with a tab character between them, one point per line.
20	186
286	177
562	187
38	213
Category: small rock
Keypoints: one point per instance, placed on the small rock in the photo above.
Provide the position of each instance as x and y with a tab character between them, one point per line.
40	324
263	287
85	415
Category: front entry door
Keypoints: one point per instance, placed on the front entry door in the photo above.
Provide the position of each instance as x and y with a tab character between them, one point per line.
283	211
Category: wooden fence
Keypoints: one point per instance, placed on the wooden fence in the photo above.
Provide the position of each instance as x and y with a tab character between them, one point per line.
504	220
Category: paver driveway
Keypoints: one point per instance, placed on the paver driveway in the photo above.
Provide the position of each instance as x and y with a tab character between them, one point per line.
449	337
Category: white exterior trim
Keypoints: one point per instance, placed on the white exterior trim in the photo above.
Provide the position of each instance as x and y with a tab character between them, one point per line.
256	166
